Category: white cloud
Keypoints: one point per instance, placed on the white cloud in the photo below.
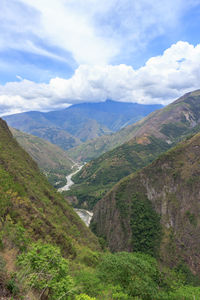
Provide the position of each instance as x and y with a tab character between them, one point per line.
93	31
161	80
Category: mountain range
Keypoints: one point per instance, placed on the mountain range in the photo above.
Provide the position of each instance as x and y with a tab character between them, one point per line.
183	108
70	127
151	215
146	140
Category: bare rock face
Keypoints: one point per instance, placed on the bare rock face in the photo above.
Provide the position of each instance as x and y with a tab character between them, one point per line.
157	210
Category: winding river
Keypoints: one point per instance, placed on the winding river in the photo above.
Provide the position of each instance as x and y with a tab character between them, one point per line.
69	180
84	214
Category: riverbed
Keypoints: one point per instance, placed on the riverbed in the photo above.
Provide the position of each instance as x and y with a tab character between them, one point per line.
84	214
69	181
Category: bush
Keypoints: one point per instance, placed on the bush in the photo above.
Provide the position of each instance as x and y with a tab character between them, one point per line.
136	273
47	270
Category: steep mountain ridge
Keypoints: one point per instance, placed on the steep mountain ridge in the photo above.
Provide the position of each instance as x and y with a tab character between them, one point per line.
157	208
52	160
176	117
30	204
36	124
151	136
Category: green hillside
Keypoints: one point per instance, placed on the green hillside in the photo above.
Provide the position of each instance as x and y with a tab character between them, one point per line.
27	198
167	123
157	210
46	252
150	137
54	135
52	160
31	209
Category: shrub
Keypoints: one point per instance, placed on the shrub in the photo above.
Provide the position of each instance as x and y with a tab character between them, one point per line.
47	270
136	273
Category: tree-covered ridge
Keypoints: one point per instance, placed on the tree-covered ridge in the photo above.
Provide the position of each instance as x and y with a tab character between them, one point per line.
147	140
32	200
42	269
52	160
99	175
167	190
31	210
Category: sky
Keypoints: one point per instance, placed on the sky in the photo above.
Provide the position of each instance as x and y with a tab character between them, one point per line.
54	53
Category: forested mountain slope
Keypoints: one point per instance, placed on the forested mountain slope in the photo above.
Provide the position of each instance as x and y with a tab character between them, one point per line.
52	160
27	199
46	252
157	210
150	137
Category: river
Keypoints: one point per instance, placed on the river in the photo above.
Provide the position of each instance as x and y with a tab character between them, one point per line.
69	180
84	214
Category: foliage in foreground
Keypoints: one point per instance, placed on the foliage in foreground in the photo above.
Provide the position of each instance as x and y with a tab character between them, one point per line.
47	270
119	276
133	276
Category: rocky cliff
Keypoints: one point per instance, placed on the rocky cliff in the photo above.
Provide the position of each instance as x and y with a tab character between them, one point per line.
157	209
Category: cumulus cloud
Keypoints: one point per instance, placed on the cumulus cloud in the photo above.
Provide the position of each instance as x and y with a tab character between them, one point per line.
162	79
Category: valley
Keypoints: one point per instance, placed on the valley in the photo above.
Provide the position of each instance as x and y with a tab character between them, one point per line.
135	208
84	214
99	150
54	162
146	140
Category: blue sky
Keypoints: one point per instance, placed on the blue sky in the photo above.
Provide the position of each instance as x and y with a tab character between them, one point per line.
58	52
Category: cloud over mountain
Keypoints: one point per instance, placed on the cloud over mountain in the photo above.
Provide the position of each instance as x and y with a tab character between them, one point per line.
162	79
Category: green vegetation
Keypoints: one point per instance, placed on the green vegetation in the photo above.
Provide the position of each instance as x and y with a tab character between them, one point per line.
46	270
144	221
47	252
99	175
31	210
42	269
192	218
155	210
52	160
174	130
135	146
133	276
145	226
